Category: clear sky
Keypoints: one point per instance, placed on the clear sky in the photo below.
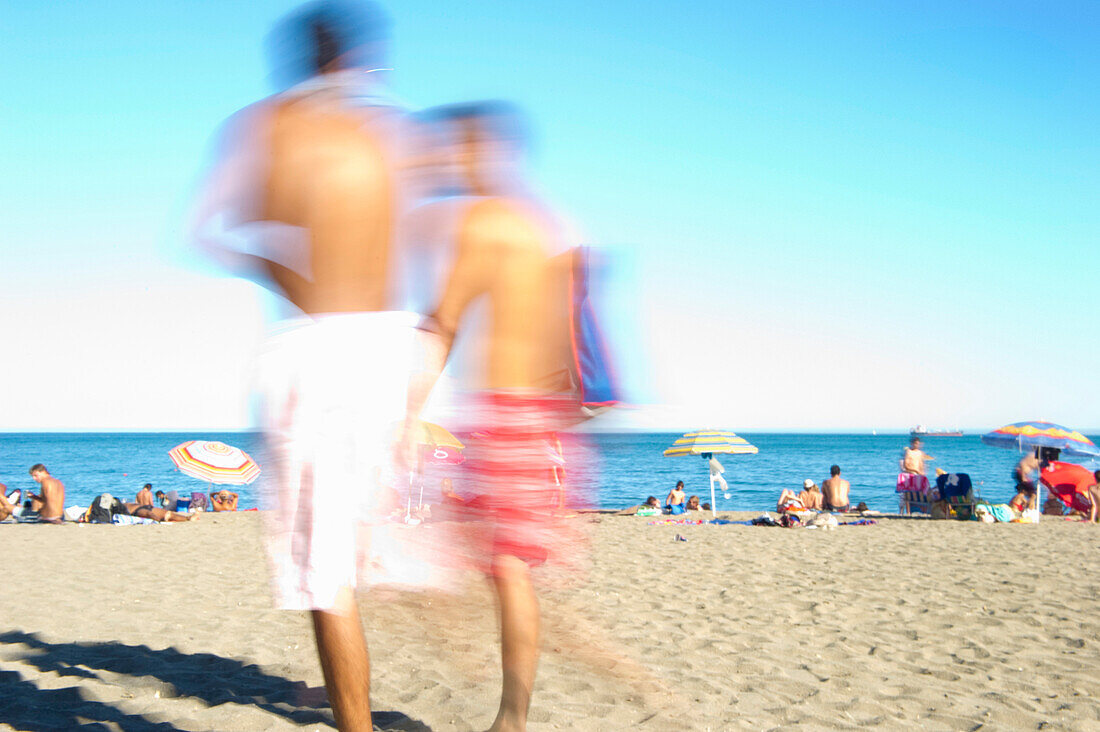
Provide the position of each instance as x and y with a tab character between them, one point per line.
840	215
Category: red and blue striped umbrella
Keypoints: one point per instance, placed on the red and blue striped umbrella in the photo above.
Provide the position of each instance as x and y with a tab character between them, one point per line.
1025	436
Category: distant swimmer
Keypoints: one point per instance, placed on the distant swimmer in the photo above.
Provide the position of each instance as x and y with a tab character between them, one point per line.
50	503
835	490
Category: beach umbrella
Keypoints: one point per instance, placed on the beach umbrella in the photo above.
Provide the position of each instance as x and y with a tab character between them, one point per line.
1069	483
1026	436
441	447
706	443
215	462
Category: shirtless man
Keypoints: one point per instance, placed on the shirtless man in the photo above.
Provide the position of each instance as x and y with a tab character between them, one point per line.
1026	470
312	175
835	490
224	500
50	503
145	496
675	500
913	458
505	258
157	513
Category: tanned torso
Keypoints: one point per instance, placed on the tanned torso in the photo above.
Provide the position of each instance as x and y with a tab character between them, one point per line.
327	175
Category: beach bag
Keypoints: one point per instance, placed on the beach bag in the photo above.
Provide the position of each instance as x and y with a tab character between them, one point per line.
104	508
197	502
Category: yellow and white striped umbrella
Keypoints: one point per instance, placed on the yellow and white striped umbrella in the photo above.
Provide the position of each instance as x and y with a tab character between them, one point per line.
215	462
710	441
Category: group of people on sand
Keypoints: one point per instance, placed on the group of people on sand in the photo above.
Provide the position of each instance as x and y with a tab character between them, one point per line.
832	495
48	505
678	502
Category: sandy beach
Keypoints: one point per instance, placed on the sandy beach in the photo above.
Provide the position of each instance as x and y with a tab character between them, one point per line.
942	624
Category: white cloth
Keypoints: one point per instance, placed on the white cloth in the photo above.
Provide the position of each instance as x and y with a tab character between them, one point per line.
333	392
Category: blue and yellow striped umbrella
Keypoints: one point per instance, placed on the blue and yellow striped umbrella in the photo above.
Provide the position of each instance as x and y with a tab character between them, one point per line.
1025	436
706	442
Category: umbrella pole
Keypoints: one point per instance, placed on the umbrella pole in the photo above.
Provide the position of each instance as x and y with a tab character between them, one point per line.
713	505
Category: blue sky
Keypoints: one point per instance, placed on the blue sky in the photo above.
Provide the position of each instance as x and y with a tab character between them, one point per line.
832	215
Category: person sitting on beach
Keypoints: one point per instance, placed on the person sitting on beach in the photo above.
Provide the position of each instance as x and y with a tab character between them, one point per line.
1053	506
835	491
7	505
810	496
693	504
1025	471
149	511
1094	499
674	504
1024	499
224	500
652	502
145	495
791	501
50	503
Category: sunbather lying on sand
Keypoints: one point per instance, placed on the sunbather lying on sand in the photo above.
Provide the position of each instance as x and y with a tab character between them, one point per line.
158	514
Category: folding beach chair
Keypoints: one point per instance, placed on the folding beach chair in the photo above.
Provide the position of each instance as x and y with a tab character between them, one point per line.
958	492
913	495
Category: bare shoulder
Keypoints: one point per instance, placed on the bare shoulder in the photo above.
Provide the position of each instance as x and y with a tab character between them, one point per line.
505	223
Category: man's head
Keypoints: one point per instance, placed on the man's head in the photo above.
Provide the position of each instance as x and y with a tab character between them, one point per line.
915	443
834	471
679	485
148	487
39	473
1096	475
326	36
477	146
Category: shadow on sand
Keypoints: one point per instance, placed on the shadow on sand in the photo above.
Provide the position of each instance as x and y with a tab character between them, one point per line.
204	676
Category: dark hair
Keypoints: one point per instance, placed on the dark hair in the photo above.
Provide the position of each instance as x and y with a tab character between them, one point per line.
38	467
159	493
147	485
308	39
705	506
1097	476
679	484
496	118
651	499
693	498
835	470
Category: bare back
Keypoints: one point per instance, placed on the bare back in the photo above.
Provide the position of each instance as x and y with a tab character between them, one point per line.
53	498
327	174
835	490
504	254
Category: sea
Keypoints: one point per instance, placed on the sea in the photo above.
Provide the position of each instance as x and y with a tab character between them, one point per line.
622	468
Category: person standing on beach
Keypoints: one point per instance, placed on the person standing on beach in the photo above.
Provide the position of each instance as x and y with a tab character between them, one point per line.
835	490
913	458
505	257
50	503
309	179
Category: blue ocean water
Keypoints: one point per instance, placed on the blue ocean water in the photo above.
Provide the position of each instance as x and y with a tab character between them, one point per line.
628	467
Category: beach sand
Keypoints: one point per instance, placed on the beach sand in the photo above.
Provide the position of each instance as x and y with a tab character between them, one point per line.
942	624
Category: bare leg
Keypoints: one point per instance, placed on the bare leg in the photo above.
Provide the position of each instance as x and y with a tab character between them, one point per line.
345	663
519	631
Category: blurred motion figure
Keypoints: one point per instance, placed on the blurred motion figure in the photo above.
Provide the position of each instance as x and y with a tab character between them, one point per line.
304	197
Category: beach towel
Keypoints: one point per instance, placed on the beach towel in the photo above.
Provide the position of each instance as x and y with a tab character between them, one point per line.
127	520
908	482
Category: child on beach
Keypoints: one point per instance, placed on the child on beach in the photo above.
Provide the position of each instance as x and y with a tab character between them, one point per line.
674	503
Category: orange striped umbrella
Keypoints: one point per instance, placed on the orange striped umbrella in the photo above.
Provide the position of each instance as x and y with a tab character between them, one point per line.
215	462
